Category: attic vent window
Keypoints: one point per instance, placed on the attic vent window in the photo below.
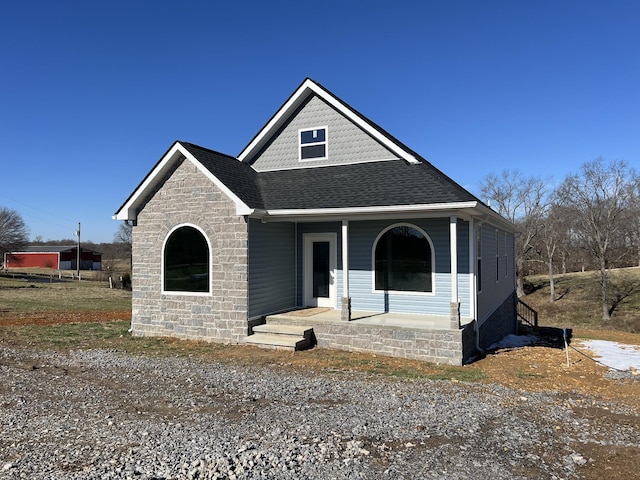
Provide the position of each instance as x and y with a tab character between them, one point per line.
313	143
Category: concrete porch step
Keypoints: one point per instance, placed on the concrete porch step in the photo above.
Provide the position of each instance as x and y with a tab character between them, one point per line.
285	337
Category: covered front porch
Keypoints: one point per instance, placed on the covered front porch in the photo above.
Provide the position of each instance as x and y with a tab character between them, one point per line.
423	337
381	319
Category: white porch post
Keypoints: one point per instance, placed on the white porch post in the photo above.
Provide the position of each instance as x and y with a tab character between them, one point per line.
455	303
345	314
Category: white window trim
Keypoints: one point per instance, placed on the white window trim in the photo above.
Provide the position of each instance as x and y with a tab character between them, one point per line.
164	244
325	143
432	293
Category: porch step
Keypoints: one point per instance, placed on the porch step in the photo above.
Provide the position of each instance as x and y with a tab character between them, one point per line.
284	337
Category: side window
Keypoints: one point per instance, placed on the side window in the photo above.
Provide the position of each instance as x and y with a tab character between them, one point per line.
313	143
403	261
186	261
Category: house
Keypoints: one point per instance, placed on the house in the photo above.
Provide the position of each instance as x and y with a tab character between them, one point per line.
56	257
324	224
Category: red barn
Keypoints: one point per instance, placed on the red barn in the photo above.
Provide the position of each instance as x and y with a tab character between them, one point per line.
56	257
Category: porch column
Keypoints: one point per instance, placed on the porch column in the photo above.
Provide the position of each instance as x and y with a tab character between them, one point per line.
455	303
345	314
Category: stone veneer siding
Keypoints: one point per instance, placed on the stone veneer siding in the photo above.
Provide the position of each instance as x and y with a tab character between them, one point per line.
188	197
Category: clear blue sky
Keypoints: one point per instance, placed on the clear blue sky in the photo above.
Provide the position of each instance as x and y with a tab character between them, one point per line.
93	93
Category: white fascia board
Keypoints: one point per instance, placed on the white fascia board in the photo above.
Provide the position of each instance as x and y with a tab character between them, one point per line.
488	215
129	209
347	112
297	98
293	102
379	210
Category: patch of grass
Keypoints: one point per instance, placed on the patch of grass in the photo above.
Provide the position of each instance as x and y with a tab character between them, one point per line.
524	375
461	374
43	297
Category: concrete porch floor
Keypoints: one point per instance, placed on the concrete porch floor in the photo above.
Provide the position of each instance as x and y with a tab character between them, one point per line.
380	319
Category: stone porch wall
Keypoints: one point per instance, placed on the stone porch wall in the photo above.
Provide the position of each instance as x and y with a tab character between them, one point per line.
187	196
437	346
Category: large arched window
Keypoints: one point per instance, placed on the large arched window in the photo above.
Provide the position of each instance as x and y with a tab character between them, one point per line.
403	260
186	261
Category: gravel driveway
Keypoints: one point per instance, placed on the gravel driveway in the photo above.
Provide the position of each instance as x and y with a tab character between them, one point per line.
99	414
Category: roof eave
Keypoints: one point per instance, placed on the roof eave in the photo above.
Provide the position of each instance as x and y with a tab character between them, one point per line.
129	210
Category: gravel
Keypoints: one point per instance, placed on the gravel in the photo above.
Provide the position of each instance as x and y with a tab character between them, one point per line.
98	414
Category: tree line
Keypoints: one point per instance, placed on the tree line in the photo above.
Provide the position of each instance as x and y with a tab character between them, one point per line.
588	221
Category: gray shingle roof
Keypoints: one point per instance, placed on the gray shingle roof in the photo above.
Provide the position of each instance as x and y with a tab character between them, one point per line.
239	177
393	182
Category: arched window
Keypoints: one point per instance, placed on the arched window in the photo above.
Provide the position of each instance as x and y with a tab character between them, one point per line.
186	261
403	260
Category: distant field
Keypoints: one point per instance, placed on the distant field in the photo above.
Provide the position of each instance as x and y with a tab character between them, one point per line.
20	297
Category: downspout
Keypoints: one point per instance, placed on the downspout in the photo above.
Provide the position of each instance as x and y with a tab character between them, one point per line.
295	259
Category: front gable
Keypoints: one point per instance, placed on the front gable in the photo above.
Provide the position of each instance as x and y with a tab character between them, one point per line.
344	141
310	107
170	161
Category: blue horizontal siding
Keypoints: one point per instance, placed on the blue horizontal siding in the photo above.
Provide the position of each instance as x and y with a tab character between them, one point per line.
272	273
361	239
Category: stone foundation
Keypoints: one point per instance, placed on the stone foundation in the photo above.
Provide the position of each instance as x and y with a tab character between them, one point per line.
501	323
437	346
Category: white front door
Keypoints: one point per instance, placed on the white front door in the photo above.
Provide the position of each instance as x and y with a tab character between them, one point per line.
320	260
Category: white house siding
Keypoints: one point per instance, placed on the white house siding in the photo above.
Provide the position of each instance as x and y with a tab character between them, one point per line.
272	274
363	297
495	291
347	143
188	197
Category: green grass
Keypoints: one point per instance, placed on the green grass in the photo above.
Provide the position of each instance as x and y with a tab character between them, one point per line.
20	296
525	375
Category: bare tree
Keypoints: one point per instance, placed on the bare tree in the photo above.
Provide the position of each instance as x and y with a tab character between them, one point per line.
14	233
551	241
522	200
124	234
600	195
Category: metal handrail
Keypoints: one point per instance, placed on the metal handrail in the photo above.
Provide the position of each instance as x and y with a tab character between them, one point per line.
527	314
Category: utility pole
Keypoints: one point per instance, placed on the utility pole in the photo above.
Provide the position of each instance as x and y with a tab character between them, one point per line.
78	258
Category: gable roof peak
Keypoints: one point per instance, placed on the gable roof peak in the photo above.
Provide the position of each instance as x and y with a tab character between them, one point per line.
310	87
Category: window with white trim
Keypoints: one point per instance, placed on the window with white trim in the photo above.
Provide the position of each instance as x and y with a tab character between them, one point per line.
403	261
186	261
313	143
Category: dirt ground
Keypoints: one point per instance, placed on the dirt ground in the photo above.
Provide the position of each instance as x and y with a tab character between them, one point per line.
583	383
